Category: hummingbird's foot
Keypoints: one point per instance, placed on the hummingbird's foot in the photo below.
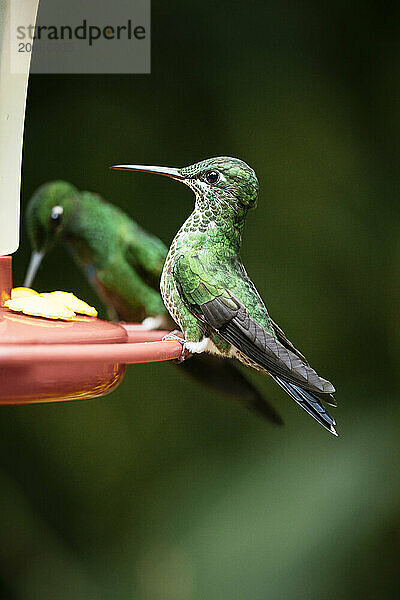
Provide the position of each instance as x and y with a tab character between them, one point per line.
178	336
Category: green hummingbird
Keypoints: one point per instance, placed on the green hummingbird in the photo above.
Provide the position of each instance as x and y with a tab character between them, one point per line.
207	291
123	263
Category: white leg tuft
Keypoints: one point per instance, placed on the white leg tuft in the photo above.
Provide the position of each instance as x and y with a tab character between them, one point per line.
197	347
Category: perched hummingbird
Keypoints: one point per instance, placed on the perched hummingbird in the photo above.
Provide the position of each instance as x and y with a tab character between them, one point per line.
208	293
123	262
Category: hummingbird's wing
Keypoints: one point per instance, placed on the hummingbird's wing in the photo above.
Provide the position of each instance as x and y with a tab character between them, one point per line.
146	254
285	341
123	287
223	311
328	398
203	291
129	282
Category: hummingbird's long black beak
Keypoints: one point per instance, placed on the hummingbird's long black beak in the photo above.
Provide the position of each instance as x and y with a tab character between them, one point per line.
34	264
167	171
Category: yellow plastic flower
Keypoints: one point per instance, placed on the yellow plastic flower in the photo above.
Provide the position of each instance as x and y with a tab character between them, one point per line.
51	305
72	302
37	306
22	292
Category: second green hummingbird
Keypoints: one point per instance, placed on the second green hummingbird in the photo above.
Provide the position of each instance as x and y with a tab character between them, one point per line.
209	294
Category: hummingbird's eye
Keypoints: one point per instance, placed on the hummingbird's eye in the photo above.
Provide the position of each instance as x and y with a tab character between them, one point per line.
212	176
56	216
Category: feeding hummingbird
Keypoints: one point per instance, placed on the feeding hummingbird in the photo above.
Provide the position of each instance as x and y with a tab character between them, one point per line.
207	291
123	263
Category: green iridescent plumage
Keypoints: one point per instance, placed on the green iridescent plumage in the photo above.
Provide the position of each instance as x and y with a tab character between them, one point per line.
209	294
124	263
121	260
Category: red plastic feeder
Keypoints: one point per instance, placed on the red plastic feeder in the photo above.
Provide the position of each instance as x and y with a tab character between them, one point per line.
50	361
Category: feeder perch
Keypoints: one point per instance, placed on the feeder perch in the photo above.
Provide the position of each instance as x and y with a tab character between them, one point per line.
43	360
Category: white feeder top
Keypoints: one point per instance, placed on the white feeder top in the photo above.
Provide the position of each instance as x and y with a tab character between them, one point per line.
13	87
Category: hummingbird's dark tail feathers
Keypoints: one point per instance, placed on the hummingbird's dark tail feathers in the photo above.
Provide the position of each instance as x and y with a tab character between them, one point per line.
224	376
310	402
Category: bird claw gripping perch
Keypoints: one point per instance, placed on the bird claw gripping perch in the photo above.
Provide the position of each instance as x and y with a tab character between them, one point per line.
178	336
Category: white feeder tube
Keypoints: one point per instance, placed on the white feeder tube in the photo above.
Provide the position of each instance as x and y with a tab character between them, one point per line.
13	87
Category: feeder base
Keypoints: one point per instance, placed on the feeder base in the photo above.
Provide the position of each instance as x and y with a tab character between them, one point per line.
40	381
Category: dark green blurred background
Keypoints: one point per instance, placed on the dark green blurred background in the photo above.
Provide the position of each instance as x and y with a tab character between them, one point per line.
163	491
